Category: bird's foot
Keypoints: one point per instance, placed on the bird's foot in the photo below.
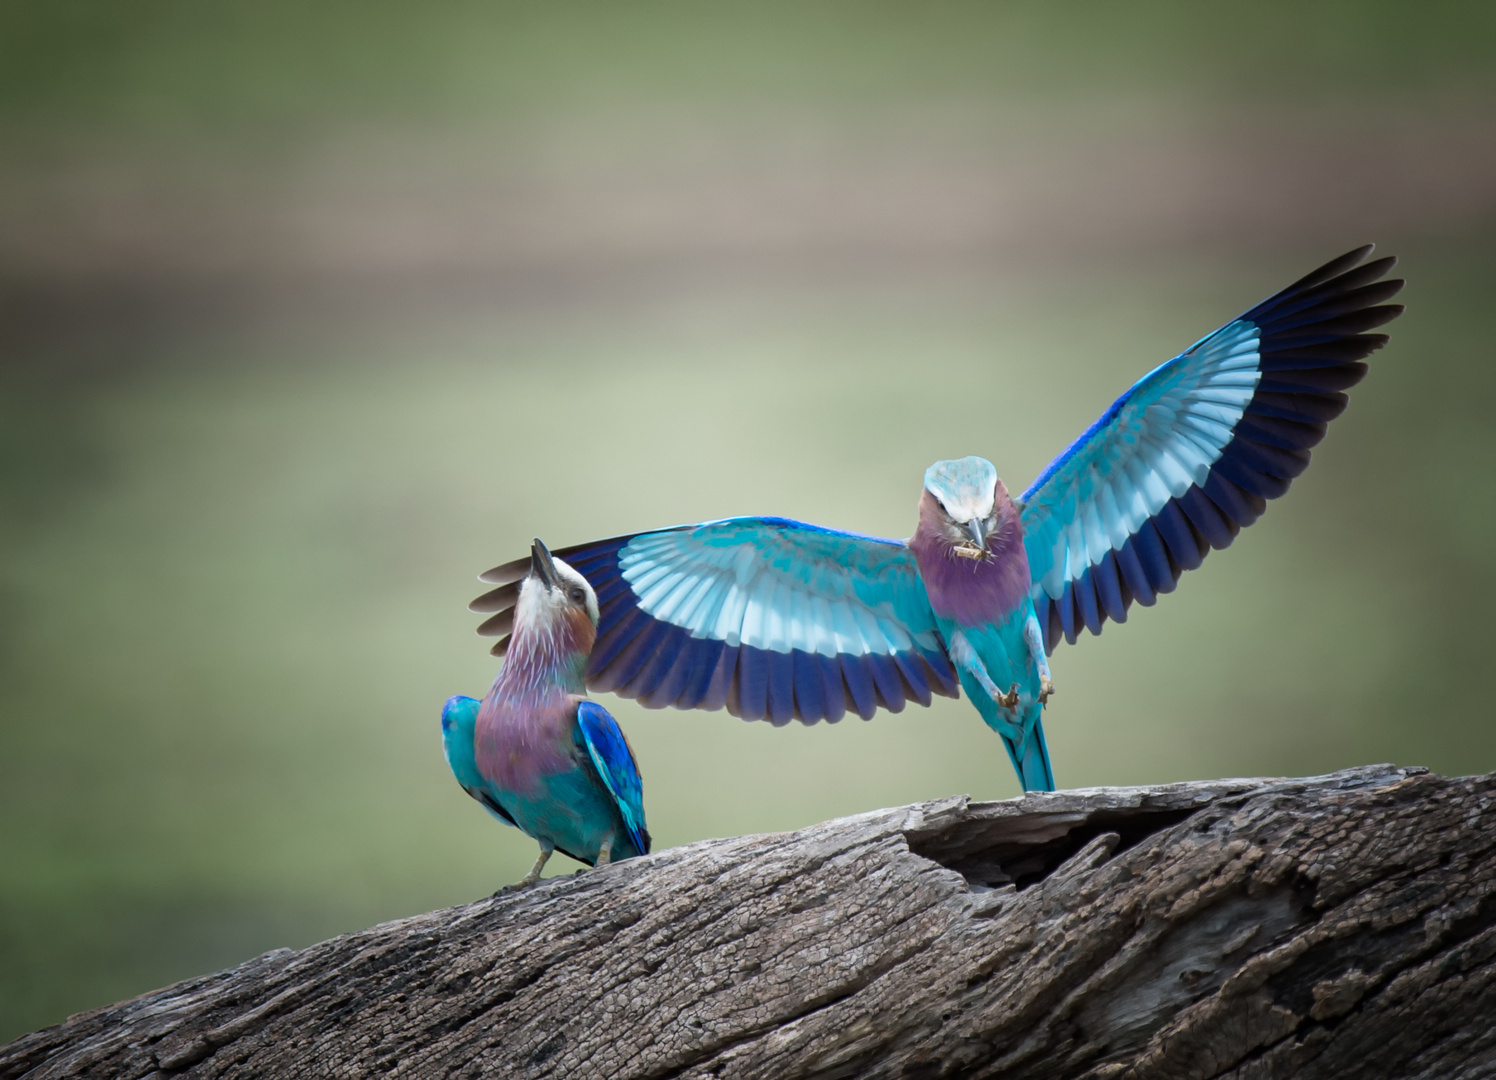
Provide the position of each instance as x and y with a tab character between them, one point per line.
534	875
1009	699
1046	689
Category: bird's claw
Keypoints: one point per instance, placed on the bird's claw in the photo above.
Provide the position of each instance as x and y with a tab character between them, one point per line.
534	875
1046	689
1009	699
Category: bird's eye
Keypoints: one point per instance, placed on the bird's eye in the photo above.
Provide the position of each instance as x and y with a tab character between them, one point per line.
577	595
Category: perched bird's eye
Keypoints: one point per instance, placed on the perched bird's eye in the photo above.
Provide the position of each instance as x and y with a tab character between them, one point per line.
577	595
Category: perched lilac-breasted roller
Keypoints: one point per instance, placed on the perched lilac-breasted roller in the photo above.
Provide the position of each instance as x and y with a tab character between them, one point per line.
535	752
776	619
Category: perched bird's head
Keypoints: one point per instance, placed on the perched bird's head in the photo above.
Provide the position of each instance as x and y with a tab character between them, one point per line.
966	501
556	604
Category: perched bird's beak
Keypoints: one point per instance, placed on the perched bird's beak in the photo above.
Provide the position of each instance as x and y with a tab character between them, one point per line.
541	565
973	529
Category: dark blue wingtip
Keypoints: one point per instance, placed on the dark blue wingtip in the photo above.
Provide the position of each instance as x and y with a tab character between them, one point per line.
455	707
641	838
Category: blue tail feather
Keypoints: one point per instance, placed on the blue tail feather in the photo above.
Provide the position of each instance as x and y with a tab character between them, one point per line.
1031	760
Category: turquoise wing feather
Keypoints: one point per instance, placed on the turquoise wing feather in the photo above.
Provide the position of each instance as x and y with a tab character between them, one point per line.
614	759
768	617
459	719
1191	453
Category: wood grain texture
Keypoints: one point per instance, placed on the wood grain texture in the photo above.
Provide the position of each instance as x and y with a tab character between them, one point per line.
1326	927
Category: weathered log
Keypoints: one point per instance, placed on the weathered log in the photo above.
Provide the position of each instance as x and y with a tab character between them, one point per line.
1329	927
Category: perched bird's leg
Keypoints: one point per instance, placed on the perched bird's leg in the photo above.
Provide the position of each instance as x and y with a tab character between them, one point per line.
1035	641
534	875
605	853
966	657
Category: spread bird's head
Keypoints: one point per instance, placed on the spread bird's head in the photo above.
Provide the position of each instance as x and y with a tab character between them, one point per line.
556	613
964	503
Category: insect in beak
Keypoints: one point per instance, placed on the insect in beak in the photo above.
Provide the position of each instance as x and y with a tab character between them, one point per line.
976	546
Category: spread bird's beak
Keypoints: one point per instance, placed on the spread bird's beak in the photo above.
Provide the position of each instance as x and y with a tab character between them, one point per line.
541	565
973	529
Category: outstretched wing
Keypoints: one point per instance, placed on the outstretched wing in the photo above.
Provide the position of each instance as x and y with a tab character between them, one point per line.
1192	452
614	760
769	617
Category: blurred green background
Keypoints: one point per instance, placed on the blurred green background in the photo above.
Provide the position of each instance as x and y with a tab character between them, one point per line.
310	312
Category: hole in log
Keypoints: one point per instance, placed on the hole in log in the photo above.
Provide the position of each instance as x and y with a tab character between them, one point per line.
1024	850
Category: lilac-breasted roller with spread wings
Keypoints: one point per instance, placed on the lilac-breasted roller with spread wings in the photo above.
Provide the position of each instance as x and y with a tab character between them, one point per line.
535	752
776	619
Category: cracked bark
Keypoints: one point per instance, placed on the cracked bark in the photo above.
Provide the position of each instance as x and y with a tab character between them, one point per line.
1326	927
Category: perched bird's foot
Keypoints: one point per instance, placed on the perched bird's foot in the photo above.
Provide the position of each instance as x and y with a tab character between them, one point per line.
1009	699
1046	689
534	875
